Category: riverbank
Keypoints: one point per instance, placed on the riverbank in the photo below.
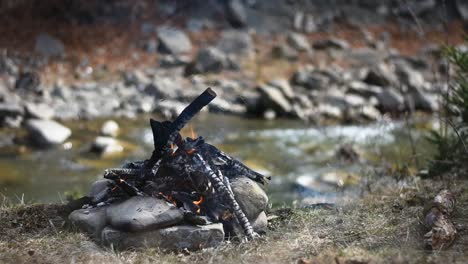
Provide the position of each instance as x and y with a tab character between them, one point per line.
383	225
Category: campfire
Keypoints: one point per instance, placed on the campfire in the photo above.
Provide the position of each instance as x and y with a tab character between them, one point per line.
188	174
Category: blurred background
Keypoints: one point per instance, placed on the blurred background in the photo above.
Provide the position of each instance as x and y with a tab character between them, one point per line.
319	94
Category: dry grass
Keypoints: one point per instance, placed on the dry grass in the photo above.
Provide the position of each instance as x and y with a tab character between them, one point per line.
383	226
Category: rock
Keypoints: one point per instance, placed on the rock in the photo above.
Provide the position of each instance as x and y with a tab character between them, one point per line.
222	106
329	111
381	75
310	25
251	197
353	100
235	42
143	214
39	111
10	109
365	57
173	41
462	8
110	128
331	43
338	178
49	46
369	112
176	237
390	101
91	221
298	41
269	114
260	224
298	20
363	89
283	86
347	153
106	146
174	61
409	77
309	80
208	60
150	46
28	81
418	100
272	98
283	51
98	186
47	132
236	14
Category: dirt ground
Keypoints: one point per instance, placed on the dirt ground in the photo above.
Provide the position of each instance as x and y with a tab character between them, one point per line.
384	226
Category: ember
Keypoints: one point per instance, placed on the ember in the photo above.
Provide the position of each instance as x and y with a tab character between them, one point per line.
190	173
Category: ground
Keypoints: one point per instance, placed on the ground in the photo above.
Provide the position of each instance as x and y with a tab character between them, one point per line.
382	226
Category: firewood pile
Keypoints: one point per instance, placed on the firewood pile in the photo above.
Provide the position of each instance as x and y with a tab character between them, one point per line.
188	194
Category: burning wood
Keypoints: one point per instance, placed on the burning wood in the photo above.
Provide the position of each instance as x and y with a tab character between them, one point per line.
190	173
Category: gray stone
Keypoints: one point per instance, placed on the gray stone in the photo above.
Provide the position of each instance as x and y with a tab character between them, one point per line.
416	99
175	237
142	214
416	8
462	7
235	42
28	81
369	112
298	41
330	111
310	25
98	186
260	224
390	101
272	97
173	41
381	75
49	46
408	76
91	221
110	128
150	46
223	106
209	59
47	132
39	111
106	146
283	86
251	197
363	89
10	109
284	51
331	43
236	14
310	80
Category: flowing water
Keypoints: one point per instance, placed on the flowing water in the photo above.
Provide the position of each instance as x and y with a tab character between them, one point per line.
300	158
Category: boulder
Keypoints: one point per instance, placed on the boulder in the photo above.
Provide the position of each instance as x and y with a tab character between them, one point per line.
49	46
173	41
416	99
39	111
236	14
272	97
10	109
208	59
47	132
99	186
251	197
331	43
91	221
143	214
28	81
408	76
390	101
283	86
235	42
309	79
260	224
381	75
363	89
176	237
298	41
110	128
106	146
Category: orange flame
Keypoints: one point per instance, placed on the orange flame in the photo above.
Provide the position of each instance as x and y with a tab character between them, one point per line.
199	201
192	132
